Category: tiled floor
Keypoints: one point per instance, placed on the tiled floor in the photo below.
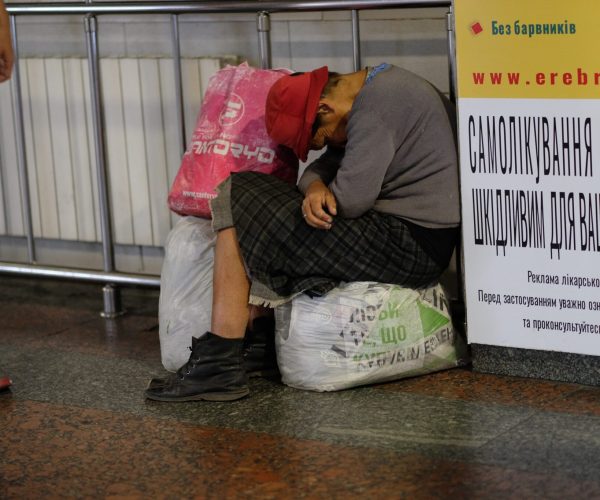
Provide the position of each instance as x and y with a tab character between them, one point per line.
75	422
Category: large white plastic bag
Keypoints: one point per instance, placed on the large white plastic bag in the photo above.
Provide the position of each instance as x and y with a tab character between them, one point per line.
362	333
185	303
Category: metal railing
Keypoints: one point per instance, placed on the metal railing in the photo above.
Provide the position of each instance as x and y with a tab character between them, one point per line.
109	275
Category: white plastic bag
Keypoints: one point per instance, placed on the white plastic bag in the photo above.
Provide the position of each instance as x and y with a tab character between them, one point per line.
363	333
185	303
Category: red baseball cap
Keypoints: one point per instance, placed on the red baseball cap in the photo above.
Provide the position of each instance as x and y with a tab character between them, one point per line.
291	109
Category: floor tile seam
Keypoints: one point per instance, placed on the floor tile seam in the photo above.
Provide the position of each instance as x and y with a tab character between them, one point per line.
565	398
19	306
140	411
99	355
144	364
500	407
240	430
534	412
554	472
441	451
520	421
62	330
58	332
501	438
484	403
566	410
325	437
524	468
542	406
125	413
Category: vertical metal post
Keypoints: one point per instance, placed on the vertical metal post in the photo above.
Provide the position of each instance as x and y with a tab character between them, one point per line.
112	306
356	40
178	82
21	154
453	98
451	54
263	26
112	301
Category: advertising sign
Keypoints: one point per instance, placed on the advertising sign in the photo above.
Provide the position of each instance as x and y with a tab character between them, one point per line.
528	75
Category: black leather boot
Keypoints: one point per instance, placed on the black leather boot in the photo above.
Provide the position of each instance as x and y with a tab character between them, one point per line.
259	355
214	372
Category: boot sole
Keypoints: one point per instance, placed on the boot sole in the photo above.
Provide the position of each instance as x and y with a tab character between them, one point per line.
210	396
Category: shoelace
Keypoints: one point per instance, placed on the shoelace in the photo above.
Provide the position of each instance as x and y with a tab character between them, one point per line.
190	363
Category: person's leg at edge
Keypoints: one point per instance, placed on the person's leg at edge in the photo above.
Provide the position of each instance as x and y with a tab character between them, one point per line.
231	288
215	370
232	317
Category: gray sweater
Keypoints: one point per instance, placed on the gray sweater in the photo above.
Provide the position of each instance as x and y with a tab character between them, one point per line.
400	157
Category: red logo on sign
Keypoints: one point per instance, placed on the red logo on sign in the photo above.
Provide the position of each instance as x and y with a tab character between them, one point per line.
476	28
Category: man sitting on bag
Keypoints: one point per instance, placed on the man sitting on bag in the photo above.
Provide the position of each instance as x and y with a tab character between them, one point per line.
381	204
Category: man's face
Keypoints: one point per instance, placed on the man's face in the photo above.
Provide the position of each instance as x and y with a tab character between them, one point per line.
329	128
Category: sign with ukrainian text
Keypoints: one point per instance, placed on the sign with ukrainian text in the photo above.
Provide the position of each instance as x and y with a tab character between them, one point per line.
528	76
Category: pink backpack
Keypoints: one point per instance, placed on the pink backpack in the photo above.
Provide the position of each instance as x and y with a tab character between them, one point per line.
230	136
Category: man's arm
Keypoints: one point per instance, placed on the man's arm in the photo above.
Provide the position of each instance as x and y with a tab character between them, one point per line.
319	205
323	168
6	50
369	151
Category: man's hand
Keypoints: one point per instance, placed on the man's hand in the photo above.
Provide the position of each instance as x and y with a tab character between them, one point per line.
6	51
319	206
